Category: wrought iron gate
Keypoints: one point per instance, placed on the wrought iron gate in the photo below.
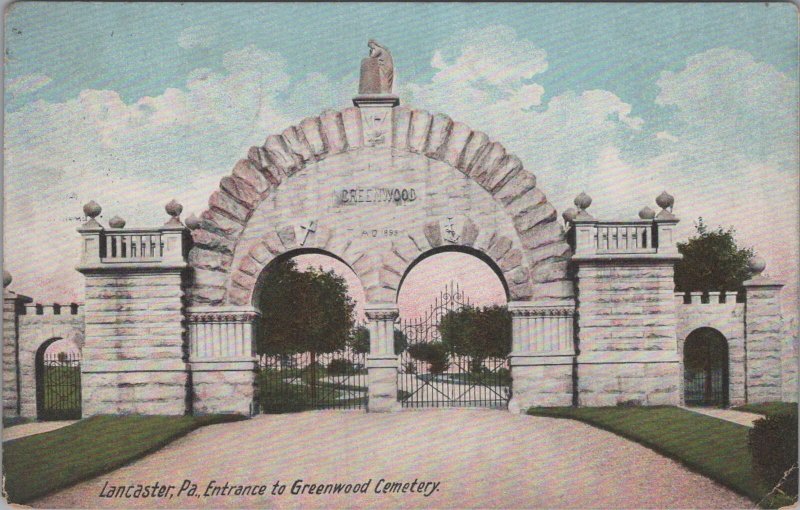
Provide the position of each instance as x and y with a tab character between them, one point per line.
58	387
303	381
431	375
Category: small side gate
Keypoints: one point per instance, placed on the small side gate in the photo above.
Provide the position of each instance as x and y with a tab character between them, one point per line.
431	375
58	387
303	381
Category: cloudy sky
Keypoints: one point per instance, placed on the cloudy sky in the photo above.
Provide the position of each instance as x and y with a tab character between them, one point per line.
134	104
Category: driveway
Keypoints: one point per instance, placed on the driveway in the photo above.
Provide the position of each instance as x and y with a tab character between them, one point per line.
477	458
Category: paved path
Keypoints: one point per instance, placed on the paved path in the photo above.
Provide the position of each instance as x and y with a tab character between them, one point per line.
480	458
740	417
29	429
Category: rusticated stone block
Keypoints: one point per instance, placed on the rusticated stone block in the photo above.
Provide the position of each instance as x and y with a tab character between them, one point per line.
439	132
456	142
333	131
418	133
311	131
475	146
247	171
351	122
224	203
469	233
400	127
517	186
507	169
241	191
280	156
487	164
296	143
433	233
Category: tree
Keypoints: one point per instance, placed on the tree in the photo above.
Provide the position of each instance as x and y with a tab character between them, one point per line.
712	261
479	333
304	311
359	342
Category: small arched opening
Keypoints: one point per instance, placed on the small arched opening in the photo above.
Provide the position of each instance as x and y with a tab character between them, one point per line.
454	331
705	368
308	344
58	380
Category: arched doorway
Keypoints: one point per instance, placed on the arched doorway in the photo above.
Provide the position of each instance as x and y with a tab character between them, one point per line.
453	336
705	368
58	380
310	343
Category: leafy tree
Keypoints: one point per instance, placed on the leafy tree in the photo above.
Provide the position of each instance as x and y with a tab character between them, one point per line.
712	261
479	333
360	340
304	311
432	353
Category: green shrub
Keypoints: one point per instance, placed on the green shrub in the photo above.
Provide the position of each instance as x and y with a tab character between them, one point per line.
433	353
773	445
339	366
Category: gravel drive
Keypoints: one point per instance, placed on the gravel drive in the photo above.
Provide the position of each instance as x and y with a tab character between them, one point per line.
481	458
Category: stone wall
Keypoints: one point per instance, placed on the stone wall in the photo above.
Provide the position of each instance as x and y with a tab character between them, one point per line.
133	358
728	319
39	324
764	328
12	305
626	331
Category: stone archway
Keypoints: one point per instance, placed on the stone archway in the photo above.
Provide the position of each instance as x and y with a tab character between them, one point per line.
377	186
706	368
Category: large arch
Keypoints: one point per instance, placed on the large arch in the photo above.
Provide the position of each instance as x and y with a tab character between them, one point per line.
468	191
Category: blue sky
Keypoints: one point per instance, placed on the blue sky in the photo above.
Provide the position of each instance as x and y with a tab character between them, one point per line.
131	104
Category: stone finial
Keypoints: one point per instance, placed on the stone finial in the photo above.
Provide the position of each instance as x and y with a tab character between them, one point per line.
647	213
116	222
192	222
6	278
665	201
582	202
569	215
92	209
174	209
756	265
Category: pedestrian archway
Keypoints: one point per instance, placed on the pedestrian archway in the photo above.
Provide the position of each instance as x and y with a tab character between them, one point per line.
58	380
705	368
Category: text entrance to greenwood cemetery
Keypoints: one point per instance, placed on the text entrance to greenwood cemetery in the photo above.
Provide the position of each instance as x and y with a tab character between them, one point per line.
58	386
444	363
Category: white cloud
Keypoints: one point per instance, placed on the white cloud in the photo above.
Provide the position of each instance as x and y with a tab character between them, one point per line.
199	36
27	84
731	155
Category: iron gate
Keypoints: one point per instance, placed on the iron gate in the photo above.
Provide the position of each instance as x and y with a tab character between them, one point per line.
431	375
303	381
58	387
705	387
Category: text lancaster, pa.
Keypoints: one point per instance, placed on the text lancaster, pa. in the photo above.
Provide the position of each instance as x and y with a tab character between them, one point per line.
215	488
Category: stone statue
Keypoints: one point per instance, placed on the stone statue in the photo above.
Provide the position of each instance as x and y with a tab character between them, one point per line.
377	70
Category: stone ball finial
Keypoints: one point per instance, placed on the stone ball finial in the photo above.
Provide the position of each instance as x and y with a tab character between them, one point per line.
6	278
192	222
92	209
665	200
756	265
647	213
582	201
173	208
569	215
116	222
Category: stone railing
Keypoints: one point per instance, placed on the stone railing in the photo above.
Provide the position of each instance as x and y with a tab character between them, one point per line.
118	246
650	235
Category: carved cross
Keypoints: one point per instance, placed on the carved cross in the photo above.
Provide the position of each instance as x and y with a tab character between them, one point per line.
310	229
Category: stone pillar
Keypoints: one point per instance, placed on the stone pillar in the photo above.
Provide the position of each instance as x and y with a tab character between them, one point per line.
376	117
12	304
763	335
542	356
134	359
222	359
382	362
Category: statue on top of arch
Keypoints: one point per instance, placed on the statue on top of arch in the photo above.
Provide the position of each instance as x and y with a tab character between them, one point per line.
377	70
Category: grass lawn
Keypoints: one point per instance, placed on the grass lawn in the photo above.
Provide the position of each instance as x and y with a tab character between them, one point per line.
43	463
768	408
712	447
